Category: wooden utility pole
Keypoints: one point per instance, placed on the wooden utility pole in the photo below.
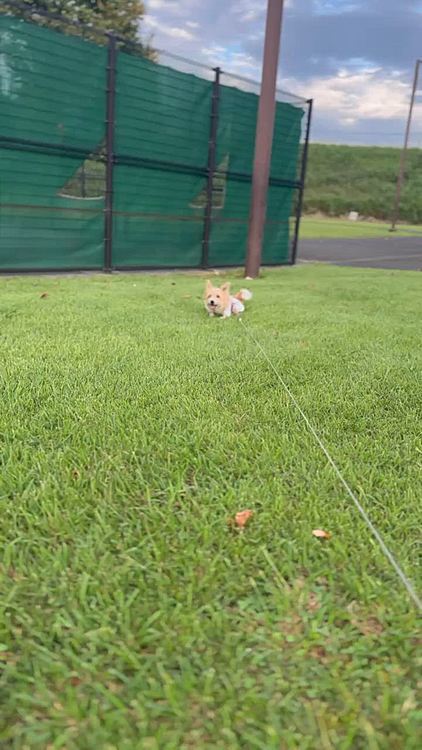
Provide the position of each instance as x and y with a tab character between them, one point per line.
264	137
400	177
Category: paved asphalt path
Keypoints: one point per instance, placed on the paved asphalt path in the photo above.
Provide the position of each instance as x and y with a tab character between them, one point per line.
400	253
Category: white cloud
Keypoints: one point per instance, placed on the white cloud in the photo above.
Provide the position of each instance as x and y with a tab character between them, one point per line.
256	37
244	64
249	10
213	51
192	24
250	15
364	95
232	61
175	7
176	32
254	10
328	7
161	5
157	4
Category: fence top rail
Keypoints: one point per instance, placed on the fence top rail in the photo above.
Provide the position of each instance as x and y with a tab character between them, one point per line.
252	81
35	13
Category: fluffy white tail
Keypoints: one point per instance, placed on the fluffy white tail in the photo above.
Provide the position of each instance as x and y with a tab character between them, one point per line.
245	295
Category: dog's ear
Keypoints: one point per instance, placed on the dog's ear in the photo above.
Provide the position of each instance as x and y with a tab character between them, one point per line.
226	287
208	286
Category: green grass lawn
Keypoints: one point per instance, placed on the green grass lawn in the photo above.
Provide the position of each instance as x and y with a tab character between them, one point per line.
312	227
132	428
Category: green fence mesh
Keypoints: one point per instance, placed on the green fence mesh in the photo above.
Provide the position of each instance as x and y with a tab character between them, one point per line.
53	90
162	115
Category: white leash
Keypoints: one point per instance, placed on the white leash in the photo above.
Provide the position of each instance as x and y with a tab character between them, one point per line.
390	557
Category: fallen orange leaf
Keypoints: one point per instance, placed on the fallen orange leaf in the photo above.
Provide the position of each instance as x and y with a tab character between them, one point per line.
319	653
6	655
242	518
321	534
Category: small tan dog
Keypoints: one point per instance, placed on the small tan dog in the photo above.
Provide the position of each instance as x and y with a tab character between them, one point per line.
219	301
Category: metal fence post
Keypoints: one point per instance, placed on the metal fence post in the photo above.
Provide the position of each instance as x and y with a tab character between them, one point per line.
302	183
401	174
212	155
109	146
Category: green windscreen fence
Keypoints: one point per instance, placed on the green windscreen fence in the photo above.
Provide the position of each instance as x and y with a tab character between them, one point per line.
62	170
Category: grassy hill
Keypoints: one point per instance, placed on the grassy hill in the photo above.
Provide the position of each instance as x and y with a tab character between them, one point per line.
362	178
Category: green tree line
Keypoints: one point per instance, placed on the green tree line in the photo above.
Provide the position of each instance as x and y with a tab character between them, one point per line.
362	178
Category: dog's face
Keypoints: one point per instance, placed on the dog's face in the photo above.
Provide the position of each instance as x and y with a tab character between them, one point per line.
216	298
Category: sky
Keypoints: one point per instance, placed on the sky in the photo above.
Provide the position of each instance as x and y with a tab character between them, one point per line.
355	58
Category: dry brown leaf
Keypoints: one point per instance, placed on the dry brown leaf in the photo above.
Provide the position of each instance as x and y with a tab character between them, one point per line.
291	626
14	575
44	295
75	474
321	534
319	653
322	581
410	703
242	518
371	626
8	656
313	604
114	687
